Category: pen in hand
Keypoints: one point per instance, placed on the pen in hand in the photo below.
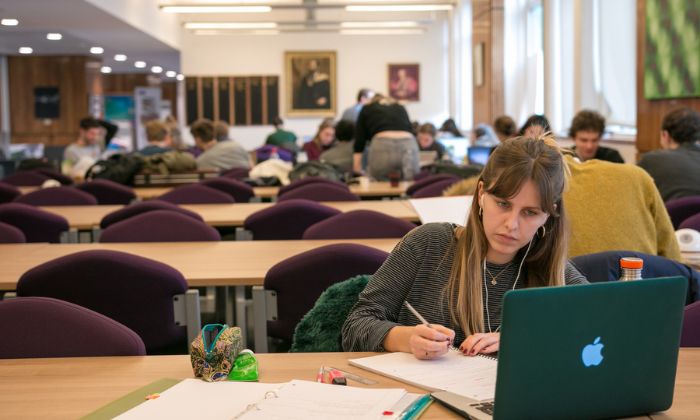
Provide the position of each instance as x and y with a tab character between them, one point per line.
421	319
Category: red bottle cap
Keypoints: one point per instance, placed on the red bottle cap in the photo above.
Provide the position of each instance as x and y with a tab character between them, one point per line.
631	262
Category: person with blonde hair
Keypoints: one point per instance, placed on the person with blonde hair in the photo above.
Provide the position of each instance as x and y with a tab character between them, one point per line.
158	136
515	237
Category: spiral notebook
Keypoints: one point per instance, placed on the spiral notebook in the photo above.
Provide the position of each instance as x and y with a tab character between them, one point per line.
472	377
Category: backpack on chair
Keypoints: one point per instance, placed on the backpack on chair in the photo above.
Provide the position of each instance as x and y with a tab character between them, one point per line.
315	168
118	168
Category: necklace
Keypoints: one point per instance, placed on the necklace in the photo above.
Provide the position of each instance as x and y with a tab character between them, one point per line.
494	279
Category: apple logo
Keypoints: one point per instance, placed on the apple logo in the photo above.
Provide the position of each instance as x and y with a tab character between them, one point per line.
591	353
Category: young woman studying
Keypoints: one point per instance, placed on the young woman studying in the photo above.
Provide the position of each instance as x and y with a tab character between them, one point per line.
516	237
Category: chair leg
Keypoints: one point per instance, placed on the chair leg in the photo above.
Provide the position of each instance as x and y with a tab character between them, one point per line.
259	319
186	310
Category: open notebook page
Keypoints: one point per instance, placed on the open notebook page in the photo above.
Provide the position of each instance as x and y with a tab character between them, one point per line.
443	209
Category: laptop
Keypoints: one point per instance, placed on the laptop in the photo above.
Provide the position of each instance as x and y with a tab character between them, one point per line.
479	155
456	148
589	351
427	157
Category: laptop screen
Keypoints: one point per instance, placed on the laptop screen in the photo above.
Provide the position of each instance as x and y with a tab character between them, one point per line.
479	154
456	147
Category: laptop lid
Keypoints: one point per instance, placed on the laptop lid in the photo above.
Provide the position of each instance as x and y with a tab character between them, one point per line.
590	351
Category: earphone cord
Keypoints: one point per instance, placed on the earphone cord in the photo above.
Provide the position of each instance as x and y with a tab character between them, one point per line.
488	315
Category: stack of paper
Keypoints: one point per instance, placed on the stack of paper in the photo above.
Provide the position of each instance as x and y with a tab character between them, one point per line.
443	209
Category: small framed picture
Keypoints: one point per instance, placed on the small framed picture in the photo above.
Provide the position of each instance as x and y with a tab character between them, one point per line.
404	82
311	83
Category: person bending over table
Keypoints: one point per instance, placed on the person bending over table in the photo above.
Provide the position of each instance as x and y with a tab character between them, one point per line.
516	237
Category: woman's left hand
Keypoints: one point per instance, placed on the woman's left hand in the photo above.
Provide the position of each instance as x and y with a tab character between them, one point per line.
480	343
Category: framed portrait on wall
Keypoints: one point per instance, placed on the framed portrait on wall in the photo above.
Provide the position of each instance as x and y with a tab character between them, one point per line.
404	82
311	83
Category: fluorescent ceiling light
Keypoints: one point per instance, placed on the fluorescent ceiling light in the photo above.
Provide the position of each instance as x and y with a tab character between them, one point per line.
230	25
54	36
170	73
25	50
397	24
157	69
239	32
106	69
97	50
140	64
120	57
180	77
381	31
398	8
216	9
9	22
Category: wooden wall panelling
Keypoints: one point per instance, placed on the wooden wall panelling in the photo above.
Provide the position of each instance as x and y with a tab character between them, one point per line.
256	100
239	101
650	113
208	98
487	28
223	99
272	95
192	100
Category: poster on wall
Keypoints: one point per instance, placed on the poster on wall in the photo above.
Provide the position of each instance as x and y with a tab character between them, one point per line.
311	83
672	53
404	82
146	108
119	110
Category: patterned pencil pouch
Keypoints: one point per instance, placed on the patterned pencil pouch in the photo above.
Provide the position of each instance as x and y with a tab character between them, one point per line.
214	351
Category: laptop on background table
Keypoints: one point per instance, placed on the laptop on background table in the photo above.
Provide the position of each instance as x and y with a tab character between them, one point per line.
591	351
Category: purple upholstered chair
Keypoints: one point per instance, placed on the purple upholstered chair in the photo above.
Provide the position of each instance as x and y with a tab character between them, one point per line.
359	224
11	235
423	182
320	192
433	190
159	226
36	224
108	192
682	208
8	192
299	280
135	291
54	174
25	179
236	173
287	219
241	193
143	207
196	194
306	181
57	196
690	334
692	222
46	327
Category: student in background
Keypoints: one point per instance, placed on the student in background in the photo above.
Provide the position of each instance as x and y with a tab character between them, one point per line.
449	129
87	146
484	136
676	169
535	126
175	134
505	127
587	128
363	98
322	141
516	237
340	155
426	140
217	155
159	140
282	137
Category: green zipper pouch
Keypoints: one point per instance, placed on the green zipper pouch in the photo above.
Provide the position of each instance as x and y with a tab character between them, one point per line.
214	351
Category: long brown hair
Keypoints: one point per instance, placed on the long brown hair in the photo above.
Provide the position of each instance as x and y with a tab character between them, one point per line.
512	163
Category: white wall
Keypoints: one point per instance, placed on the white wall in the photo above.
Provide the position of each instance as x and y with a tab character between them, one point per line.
361	62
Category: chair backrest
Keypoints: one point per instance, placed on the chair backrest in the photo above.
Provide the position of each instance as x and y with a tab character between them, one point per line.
25	179
45	327
427	180
299	280
143	207
287	219
306	181
57	196
433	190
54	174
690	334
36	224
236	173
682	208
11	235
692	222
605	266
8	192
196	194
359	224
159	226
108	192
320	192
135	291
241	193
321	328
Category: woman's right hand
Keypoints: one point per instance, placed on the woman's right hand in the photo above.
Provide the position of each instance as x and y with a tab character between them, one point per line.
430	342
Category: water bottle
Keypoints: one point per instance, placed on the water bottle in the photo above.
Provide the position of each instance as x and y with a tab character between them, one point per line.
274	154
631	268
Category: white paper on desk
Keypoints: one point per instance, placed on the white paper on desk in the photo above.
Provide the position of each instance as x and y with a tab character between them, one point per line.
301	400
472	377
443	209
194	398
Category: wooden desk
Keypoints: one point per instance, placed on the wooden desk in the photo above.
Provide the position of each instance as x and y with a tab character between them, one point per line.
74	387
228	263
89	217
